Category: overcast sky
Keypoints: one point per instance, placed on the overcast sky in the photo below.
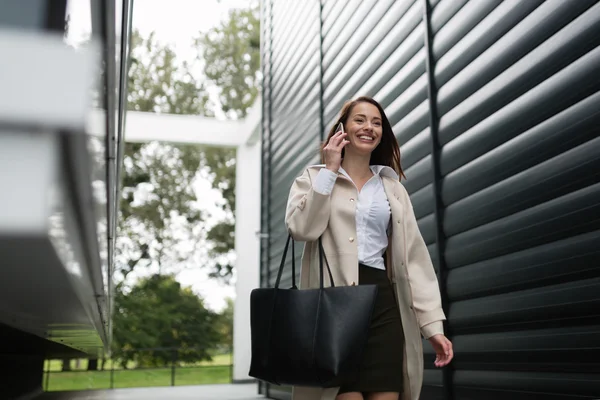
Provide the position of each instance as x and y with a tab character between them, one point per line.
175	22
178	21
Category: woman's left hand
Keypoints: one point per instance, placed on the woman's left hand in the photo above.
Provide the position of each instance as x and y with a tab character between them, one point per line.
443	350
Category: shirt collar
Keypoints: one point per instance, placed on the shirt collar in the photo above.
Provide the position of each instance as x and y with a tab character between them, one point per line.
384	170
381	170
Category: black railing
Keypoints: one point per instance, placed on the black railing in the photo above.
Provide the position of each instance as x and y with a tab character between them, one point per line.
149	367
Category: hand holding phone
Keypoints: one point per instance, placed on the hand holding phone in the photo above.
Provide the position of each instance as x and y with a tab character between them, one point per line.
333	150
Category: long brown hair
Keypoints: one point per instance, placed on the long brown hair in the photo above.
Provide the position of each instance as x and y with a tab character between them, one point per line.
388	150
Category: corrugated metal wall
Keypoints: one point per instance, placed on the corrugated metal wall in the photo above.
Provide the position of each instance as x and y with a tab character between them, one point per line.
496	105
291	113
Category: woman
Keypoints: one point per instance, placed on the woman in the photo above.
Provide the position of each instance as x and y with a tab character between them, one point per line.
357	205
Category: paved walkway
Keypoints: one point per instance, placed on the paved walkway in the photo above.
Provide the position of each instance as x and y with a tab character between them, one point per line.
203	392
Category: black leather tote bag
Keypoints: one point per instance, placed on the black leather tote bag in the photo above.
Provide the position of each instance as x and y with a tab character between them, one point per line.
309	337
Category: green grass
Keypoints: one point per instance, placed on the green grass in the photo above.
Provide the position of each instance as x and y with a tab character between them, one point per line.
62	381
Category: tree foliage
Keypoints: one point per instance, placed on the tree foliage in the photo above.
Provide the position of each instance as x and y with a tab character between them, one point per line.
160	219
159	314
158	212
231	56
221	236
159	83
160	223
224	325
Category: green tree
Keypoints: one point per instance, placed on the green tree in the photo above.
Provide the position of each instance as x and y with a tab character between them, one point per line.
160	225
158	82
221	237
225	326
230	53
159	313
158	211
231	56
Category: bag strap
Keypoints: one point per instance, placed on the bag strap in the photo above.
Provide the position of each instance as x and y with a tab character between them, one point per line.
284	256
321	257
282	264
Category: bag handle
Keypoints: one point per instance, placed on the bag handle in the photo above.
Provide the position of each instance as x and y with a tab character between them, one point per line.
282	263
321	257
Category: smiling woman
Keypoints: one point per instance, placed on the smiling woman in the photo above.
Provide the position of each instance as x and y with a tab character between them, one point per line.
496	108
366	116
356	205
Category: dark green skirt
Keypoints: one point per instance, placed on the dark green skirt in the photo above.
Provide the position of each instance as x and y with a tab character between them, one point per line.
381	367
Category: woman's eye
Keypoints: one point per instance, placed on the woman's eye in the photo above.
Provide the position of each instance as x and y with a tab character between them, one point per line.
360	121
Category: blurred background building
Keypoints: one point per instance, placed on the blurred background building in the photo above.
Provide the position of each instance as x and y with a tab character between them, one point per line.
60	183
64	96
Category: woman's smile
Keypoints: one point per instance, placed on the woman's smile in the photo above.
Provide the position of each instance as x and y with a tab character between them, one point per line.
366	138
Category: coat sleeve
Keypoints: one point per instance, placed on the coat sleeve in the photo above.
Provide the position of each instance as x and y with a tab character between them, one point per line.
307	212
423	282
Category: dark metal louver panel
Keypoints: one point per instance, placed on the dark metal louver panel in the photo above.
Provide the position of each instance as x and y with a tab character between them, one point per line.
294	115
518	104
515	105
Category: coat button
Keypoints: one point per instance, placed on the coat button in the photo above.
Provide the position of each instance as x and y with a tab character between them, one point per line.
351	199
351	239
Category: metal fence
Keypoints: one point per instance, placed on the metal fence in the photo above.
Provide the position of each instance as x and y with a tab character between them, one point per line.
150	367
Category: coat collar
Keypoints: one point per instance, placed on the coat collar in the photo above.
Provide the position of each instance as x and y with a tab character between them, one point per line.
381	170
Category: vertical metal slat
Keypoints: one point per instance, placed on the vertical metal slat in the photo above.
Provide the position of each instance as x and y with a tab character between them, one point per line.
436	181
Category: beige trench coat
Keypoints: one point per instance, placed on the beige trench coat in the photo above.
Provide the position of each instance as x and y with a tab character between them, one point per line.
310	215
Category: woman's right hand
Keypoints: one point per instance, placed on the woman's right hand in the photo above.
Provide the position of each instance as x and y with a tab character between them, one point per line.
333	151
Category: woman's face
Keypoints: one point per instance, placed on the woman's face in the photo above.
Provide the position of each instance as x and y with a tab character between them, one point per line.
364	128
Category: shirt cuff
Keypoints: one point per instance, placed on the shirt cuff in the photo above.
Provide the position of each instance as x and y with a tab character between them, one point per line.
324	182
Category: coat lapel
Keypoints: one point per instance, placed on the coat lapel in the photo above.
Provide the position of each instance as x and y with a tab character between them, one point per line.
397	232
392	193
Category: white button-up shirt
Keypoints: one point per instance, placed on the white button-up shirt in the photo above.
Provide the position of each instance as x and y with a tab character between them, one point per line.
372	212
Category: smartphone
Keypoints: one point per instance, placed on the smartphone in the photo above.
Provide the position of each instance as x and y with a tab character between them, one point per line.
340	128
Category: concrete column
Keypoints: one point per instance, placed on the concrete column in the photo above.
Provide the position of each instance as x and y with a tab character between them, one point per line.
247	246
